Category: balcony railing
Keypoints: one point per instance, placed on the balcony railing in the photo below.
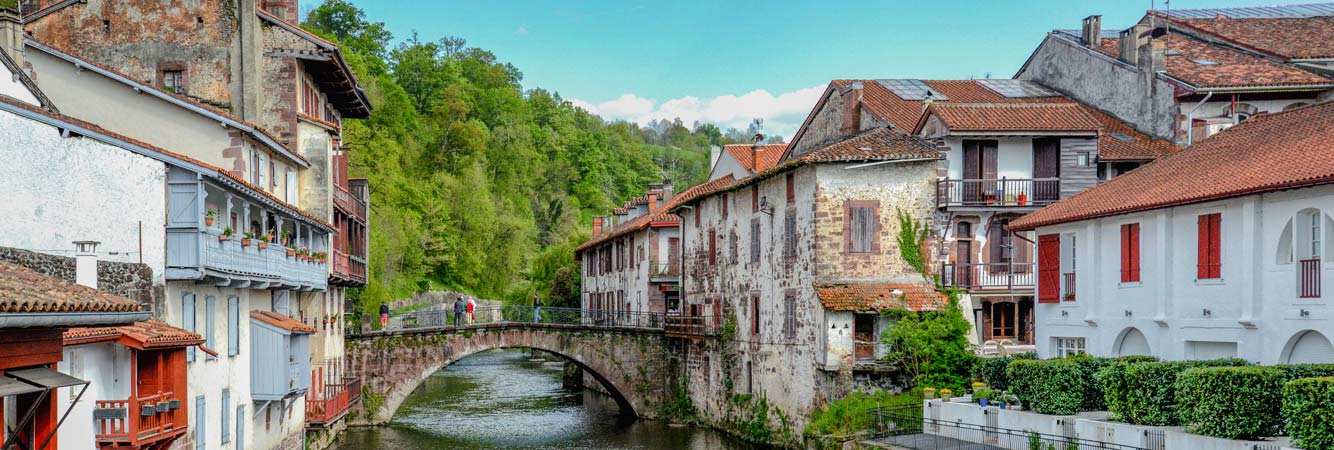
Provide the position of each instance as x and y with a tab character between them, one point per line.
349	266
1003	192
345	200
138	421
693	326
1309	278
997	276
232	259
331	401
664	270
1068	286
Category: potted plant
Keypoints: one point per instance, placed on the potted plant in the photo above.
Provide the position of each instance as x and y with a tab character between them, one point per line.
245	238
226	234
946	394
287	239
268	237
291	252
210	215
263	242
929	393
1069	296
983	396
321	257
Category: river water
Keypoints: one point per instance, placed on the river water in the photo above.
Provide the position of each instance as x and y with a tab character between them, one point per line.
502	399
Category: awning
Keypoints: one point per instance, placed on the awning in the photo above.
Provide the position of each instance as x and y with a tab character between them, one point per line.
37	380
44	377
10	386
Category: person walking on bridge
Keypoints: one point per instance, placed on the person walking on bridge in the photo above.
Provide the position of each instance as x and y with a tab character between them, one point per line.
384	315
472	308
459	307
537	308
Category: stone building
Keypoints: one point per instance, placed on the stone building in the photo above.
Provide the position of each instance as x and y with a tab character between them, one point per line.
632	262
743	160
1186	74
769	261
1232	263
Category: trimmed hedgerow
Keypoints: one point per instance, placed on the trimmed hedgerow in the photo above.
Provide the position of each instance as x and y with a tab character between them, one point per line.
1049	386
993	370
1308	405
1088	367
1142	393
1298	371
1230	402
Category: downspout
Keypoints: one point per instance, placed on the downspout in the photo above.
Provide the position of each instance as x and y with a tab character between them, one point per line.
1190	118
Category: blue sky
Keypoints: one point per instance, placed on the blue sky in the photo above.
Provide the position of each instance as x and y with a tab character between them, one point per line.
726	62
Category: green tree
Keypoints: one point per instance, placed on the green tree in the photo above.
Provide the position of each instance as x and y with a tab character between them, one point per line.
932	346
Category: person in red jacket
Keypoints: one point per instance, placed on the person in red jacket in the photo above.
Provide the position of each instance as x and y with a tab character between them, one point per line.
472	307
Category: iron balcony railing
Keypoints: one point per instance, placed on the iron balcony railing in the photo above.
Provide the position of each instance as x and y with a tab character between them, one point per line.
694	326
989	276
907	428
1002	192
1309	278
1068	286
517	314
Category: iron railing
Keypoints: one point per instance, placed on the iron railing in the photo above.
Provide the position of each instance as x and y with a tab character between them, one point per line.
693	326
1309	281
1003	192
443	318
984	276
1068	286
907	428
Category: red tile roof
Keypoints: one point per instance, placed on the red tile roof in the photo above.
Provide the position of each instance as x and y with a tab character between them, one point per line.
281	321
1287	37
879	297
140	335
1119	142
661	217
23	290
1232	69
1011	117
766	155
1269	152
903	114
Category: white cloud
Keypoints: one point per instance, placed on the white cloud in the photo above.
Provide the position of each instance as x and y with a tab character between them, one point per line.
782	114
521	31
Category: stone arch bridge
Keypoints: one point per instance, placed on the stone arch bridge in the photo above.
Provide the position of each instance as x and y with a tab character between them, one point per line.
632	363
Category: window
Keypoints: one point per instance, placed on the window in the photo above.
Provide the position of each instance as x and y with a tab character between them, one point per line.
1049	268
790	316
1315	235
226	419
790	236
791	188
1130	253
188	321
861	226
754	198
1002	319
240	427
696	216
173	81
200	421
713	248
1069	254
755	314
755	240
725	202
1208	265
964	230
233	325
1069	346
273	174
209	302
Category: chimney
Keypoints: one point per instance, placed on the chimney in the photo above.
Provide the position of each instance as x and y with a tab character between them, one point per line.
597	226
85	263
11	30
755	150
714	152
667	193
1092	31
1131	40
852	109
652	202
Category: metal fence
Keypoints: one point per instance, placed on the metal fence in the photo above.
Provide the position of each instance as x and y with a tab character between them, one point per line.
907	428
445	318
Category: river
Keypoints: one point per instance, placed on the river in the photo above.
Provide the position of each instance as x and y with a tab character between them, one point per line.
502	399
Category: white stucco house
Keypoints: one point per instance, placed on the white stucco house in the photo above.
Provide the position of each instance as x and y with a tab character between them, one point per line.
1220	250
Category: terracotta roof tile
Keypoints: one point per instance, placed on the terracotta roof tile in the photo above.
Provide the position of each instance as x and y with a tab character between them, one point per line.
140	335
903	114
281	321
1269	152
1013	116
1287	37
1120	142
660	217
1232	69
879	297
23	290
766	155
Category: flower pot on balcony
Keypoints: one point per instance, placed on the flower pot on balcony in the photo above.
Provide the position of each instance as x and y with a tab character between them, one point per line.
245	242
263	245
224	238
291	253
208	221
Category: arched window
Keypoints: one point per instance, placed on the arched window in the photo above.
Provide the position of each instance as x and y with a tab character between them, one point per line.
1309	229
1284	255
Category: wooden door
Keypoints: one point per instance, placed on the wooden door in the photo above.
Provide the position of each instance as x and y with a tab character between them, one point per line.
1046	164
863	336
972	170
963	267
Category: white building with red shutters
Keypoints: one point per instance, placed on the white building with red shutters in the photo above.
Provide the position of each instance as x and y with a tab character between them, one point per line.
1220	250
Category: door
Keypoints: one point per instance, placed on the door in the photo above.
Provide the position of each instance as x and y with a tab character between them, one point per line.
863	336
1046	166
963	267
979	171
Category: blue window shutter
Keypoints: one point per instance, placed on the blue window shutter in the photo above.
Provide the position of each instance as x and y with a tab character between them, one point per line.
240	427
209	302
233	326
226	419
188	321
200	421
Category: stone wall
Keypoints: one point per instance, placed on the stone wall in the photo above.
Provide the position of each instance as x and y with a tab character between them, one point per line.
129	280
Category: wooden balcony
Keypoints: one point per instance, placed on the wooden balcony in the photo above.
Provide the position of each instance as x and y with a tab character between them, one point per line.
1001	277
148	422
998	193
233	262
351	204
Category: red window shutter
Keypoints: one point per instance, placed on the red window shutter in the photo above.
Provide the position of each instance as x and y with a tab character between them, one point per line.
1049	268
1215	245
1125	253
1202	246
1134	252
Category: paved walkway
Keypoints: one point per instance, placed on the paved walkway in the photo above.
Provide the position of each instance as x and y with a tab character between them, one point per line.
922	441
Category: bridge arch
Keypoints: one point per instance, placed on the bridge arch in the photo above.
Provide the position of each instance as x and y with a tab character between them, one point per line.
630	363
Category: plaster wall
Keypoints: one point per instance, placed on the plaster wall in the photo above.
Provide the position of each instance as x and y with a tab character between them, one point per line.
107	366
10	86
1253	307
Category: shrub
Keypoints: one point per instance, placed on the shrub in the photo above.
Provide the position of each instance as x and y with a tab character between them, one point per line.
1230	402
1049	386
853	413
1308	404
1088	368
992	370
1298	371
1142	392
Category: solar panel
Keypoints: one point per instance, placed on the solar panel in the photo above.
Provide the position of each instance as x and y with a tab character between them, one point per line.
911	89
1017	88
1204	62
1122	137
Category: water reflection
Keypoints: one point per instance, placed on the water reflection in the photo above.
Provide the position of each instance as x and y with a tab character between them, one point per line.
501	399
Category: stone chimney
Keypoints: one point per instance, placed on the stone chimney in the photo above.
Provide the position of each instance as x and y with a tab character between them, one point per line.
652	202
597	226
852	109
1131	40
11	30
1092	35
715	151
85	263
667	193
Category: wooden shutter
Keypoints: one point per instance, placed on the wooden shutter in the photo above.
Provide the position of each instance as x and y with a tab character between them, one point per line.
209	302
791	188
1049	268
240	427
989	160
995	242
200	421
755	240
1208	264
1129	252
755	198
1216	246
188	321
972	160
233	325
790	236
713	248
226	419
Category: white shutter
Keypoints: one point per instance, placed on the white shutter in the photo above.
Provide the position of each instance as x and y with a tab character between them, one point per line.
291	187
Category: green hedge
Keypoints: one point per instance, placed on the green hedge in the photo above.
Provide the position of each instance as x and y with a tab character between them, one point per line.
993	370
1308	405
1298	371
1142	392
1230	402
1051	386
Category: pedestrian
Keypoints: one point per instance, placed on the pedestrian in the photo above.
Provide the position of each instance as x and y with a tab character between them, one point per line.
459	307
472	310
537	308
384	315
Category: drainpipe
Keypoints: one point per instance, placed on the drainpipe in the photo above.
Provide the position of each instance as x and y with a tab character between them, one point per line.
1190	119
71	319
